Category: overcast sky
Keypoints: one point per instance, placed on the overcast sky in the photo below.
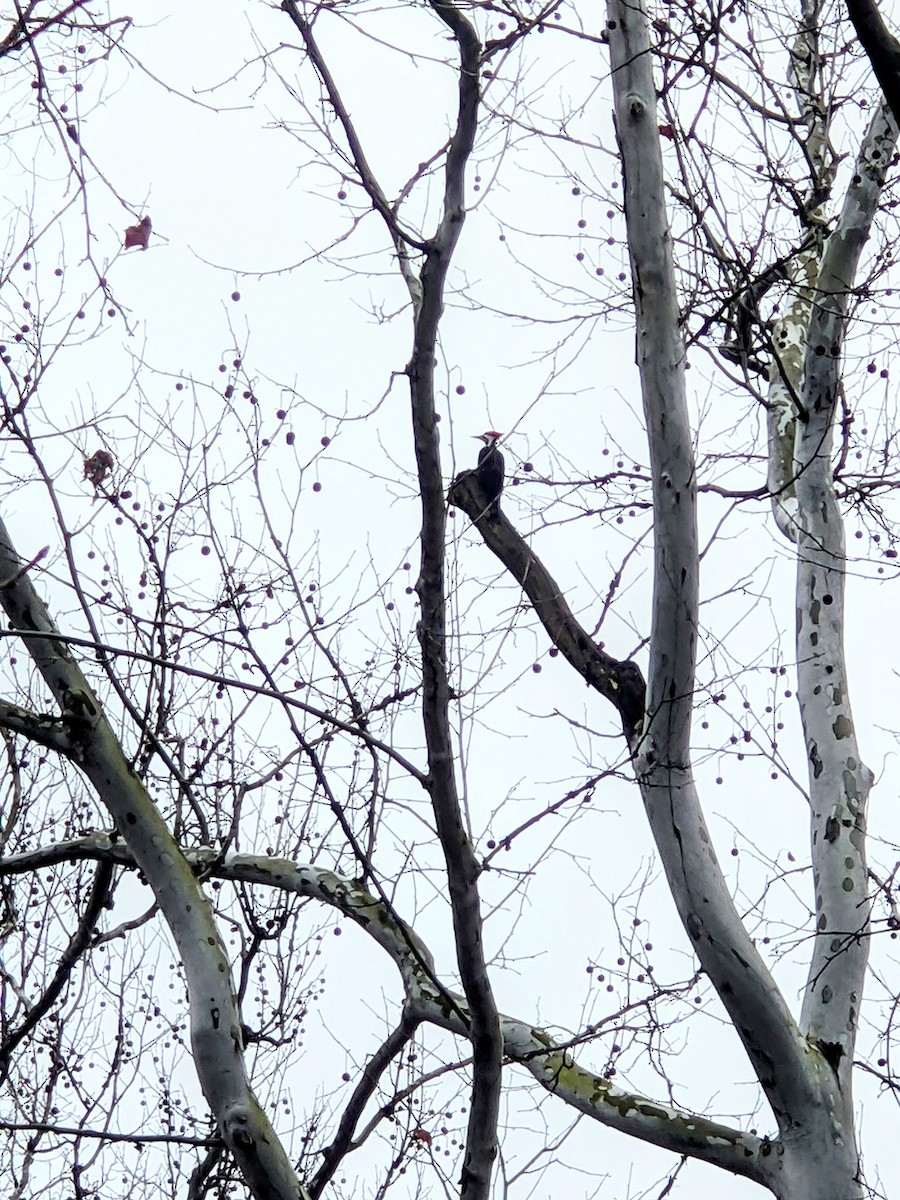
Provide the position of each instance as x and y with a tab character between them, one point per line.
263	248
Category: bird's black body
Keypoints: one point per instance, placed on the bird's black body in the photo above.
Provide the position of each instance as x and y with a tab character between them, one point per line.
491	470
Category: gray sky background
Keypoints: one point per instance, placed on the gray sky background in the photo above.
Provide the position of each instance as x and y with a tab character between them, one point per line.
199	132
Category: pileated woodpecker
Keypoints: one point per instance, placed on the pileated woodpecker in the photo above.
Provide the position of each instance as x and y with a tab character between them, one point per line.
490	469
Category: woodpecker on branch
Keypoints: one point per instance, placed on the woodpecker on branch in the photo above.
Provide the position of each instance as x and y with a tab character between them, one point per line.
490	469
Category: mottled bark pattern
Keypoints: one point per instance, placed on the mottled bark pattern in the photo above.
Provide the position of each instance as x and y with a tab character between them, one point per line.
839	782
426	1000
798	1065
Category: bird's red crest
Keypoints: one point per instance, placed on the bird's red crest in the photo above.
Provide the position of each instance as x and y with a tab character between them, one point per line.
492	434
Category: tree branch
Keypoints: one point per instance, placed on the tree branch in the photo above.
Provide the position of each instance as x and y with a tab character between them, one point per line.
784	401
552	1066
362	1093
839	782
215	1020
43	728
462	865
355	728
882	48
777	1051
78	943
620	682
367	176
555	1069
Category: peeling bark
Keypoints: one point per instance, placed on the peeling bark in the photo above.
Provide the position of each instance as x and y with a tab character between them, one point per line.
785	407
552	1065
839	782
817	1156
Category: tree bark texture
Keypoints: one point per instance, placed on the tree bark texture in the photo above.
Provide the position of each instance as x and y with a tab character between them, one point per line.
815	1154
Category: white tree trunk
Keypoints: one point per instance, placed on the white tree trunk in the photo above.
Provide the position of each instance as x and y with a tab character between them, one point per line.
799	1066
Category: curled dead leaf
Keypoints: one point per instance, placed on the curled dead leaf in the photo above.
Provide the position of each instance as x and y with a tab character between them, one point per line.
138	235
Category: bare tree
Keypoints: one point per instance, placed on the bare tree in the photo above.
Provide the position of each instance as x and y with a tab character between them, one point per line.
226	739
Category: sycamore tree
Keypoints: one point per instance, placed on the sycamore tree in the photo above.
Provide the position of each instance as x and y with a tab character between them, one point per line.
577	782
